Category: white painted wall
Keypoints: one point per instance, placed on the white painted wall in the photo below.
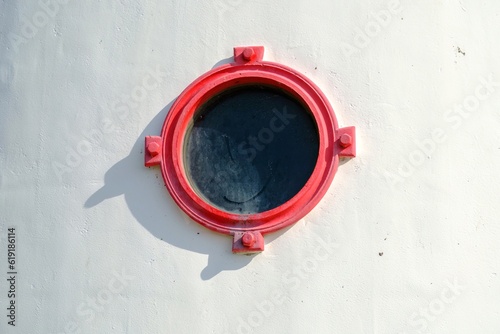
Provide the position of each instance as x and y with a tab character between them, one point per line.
433	215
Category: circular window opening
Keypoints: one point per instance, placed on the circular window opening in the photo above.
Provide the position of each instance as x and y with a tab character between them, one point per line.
250	149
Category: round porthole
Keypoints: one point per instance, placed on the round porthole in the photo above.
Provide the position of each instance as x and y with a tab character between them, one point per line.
249	148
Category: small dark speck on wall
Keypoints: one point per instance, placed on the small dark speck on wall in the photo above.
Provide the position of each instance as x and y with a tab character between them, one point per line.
381	253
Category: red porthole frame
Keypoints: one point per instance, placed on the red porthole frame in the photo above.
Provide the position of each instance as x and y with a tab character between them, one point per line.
248	68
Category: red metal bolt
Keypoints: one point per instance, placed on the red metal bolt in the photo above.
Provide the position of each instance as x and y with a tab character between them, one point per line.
154	149
248	54
345	140
248	239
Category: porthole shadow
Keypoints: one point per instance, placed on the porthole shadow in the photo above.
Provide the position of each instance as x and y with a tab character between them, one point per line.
224	61
152	206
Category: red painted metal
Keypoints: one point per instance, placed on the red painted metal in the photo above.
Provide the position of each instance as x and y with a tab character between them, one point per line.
248	242
346	144
248	68
152	154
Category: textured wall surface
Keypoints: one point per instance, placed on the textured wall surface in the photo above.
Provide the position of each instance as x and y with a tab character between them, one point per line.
405	241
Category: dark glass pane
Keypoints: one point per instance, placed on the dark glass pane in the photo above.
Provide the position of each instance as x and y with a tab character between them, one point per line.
251	149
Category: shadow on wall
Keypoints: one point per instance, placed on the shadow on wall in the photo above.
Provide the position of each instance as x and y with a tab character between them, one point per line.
150	203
